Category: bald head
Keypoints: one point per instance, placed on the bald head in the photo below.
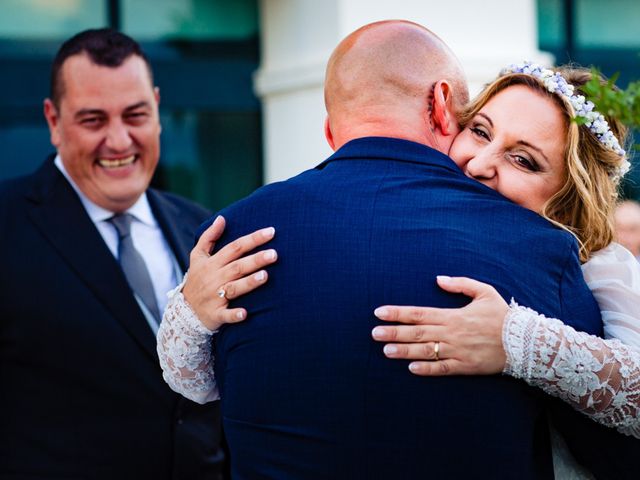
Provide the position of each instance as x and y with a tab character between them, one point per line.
627	219
381	77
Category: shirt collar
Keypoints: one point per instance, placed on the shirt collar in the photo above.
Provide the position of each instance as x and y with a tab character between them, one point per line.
141	210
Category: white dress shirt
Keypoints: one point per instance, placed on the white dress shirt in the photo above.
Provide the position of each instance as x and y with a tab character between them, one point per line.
147	238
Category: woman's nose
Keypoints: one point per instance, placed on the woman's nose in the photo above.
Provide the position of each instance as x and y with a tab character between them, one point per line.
483	166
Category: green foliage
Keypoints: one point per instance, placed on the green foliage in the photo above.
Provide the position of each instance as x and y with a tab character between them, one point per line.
610	100
625	106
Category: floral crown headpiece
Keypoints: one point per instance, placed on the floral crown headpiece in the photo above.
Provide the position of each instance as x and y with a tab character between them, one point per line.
554	82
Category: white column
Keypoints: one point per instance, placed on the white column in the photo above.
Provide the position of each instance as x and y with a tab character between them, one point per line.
297	37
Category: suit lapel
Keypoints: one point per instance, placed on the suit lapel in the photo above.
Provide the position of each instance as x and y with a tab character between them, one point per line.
57	212
175	229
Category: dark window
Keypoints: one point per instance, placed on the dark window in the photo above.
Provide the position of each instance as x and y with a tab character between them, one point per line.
602	34
203	52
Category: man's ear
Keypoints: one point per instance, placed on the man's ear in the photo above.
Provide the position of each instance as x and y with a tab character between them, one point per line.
328	134
156	94
443	115
53	120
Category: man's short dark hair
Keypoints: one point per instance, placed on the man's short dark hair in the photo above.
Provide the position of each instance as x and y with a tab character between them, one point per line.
105	46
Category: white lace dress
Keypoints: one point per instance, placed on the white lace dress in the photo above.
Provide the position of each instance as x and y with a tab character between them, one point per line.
601	378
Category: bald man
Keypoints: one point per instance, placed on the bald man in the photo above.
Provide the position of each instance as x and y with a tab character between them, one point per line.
627	220
306	393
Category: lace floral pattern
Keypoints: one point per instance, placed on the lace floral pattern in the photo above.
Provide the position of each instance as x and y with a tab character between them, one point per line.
600	378
184	349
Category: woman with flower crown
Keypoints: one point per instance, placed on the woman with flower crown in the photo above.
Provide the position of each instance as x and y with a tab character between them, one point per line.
510	143
575	189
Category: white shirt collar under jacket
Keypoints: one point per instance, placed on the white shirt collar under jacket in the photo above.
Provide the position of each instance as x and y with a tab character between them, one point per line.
141	210
147	237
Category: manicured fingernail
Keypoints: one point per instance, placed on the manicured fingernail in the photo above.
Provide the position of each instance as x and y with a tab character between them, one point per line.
443	279
381	312
268	232
270	255
414	367
378	332
390	349
260	276
240	315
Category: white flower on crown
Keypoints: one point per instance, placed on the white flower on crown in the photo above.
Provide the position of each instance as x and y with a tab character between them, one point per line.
555	83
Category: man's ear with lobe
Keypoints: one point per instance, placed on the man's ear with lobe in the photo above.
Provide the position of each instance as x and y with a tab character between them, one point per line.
53	120
328	134
443	114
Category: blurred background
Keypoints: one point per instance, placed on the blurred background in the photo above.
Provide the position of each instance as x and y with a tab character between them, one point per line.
241	81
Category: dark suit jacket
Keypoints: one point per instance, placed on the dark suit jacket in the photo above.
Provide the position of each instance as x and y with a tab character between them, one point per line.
81	391
307	394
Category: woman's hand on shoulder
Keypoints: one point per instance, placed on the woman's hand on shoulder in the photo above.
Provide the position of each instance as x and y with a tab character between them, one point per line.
448	341
213	280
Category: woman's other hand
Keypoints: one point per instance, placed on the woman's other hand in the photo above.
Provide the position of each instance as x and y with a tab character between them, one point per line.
448	341
213	280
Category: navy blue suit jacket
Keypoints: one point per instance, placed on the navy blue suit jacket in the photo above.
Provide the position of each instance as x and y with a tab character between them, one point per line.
81	390
307	394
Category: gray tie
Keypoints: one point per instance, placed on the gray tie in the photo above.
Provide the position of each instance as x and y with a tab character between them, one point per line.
133	264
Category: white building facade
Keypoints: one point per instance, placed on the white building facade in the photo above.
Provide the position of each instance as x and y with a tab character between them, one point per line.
298	36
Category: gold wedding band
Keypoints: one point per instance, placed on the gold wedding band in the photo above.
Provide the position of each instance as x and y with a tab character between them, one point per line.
221	293
436	351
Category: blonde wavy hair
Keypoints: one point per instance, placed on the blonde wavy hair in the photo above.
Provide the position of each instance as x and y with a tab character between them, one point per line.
585	203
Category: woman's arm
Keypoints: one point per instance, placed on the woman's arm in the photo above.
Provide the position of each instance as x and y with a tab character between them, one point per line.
184	350
600	378
199	306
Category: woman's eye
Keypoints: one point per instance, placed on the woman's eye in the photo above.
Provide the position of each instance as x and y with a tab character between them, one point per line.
526	163
479	132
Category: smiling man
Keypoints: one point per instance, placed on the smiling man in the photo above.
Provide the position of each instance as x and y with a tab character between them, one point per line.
88	254
104	122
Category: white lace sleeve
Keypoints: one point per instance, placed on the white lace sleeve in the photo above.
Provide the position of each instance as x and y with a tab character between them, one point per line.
184	349
600	378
